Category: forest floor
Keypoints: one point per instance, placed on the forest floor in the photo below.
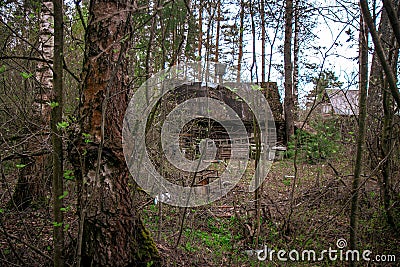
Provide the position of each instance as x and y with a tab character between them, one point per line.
223	233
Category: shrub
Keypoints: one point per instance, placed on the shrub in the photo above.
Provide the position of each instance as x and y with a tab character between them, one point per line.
318	146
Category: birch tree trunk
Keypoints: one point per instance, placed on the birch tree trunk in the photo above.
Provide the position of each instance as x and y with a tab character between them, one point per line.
182	58
33	180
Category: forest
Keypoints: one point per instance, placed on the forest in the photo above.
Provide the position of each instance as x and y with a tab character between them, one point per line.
199	133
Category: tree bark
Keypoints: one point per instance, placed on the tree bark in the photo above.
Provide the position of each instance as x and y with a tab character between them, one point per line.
379	108
56	135
241	31
388	135
375	108
182	58
149	62
296	52
393	17
200	25
218	31
113	233
289	105
253	68
381	53
363	85
262	13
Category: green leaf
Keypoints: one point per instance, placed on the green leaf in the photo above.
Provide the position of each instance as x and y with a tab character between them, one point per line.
123	40
53	104
65	209
87	137
256	87
26	75
63	124
66	227
3	69
63	195
286	182
69	175
20	166
57	224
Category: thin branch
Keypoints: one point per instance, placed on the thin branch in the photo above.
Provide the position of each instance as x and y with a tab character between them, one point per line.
48	61
78	8
13	31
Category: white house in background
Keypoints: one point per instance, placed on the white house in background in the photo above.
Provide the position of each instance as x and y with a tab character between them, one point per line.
341	102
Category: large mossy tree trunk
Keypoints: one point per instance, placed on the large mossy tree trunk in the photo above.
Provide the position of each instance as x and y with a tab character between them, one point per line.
112	233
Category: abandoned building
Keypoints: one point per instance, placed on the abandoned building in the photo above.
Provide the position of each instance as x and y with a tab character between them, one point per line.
206	128
199	129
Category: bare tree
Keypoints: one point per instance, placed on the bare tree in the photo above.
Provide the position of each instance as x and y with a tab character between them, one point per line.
363	86
262	14
384	62
218	31
289	104
393	17
296	52
56	134
380	52
241	33
200	25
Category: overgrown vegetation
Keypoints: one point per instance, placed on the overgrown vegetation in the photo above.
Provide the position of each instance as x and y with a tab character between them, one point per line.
96	54
322	144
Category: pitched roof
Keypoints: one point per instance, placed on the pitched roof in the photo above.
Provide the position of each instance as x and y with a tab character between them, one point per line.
343	102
